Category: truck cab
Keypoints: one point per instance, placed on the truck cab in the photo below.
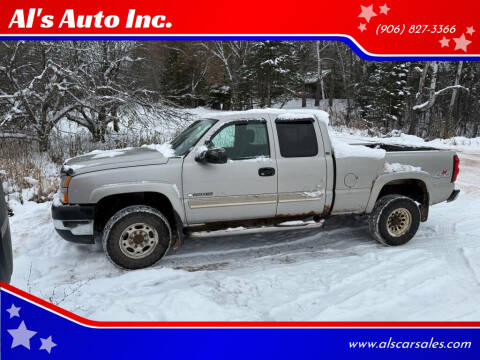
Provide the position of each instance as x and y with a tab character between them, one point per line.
258	175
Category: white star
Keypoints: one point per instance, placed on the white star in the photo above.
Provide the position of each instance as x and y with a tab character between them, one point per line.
14	311
21	336
444	42
461	43
362	27
47	344
470	30
367	12
384	9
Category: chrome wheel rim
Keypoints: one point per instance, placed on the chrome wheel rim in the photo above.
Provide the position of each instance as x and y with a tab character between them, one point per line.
399	222
138	240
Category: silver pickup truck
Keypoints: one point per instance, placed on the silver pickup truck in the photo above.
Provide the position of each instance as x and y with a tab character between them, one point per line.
251	168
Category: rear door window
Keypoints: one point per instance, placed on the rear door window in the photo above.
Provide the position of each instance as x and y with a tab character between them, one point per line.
297	138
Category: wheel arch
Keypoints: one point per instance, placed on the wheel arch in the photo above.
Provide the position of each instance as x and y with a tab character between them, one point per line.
109	204
413	185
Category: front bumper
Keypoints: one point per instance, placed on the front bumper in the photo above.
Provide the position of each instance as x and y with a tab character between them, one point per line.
453	196
74	222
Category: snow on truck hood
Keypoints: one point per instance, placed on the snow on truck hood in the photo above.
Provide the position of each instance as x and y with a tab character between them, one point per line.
110	159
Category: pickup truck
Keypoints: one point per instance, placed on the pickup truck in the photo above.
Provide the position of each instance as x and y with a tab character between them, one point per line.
249	168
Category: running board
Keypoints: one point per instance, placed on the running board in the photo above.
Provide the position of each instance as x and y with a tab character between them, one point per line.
255	230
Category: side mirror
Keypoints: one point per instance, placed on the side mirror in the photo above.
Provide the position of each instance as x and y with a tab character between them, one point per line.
212	156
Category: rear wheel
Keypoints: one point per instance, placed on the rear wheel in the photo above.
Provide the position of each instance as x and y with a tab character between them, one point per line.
136	237
394	220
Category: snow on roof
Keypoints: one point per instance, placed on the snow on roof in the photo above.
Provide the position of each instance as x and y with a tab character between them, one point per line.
279	113
313	78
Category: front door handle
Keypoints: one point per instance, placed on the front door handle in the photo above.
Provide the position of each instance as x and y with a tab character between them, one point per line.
268	171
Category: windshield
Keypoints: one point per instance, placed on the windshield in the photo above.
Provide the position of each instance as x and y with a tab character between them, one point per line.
190	136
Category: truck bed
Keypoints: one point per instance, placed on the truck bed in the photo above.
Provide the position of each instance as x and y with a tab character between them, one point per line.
355	175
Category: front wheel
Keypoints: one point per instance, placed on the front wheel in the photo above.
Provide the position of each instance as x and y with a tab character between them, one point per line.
394	220
136	237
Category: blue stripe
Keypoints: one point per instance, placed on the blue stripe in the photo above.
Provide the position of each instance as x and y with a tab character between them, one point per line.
347	41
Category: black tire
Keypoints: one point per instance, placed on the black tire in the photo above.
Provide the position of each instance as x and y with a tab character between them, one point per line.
402	211
156	229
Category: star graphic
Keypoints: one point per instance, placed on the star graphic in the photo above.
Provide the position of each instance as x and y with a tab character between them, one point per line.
444	42
21	336
384	9
362	27
470	30
47	344
367	12
461	43
14	311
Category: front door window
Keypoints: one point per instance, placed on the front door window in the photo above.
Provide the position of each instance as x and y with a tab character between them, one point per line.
243	140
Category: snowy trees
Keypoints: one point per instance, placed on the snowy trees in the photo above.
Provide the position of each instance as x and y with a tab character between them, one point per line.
382	94
185	67
424	108
95	84
36	87
270	70
110	87
413	97
231	56
89	83
467	108
104	85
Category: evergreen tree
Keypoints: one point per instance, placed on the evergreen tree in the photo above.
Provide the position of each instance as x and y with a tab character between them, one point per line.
383	93
270	69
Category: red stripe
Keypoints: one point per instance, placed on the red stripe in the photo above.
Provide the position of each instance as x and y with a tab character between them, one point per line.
239	324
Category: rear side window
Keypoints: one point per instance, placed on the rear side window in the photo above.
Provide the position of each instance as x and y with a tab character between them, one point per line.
297	138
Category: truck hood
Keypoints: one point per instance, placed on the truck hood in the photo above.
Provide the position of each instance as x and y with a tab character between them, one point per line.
111	159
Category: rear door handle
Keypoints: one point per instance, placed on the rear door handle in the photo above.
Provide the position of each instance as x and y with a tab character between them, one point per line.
268	171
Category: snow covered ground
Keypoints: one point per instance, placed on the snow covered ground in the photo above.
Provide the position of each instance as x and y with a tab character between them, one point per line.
335	273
